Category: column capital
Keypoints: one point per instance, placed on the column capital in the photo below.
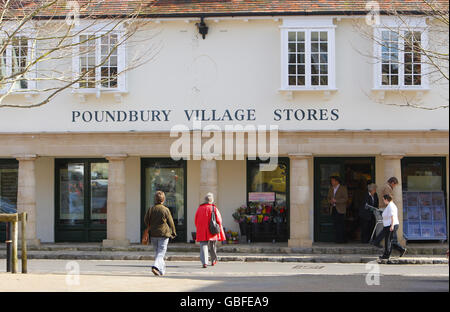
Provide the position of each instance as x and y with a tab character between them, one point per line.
392	155
300	155
20	157
116	156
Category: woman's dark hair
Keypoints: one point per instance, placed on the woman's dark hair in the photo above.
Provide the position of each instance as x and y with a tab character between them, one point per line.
160	197
387	197
393	180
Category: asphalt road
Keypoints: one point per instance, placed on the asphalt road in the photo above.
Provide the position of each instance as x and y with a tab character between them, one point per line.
128	275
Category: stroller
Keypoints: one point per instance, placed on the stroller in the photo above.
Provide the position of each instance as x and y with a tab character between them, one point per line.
378	221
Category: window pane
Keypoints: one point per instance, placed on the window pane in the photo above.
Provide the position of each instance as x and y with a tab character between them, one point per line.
301	47
292	80
291	47
292	36
315	80
291	58
301	58
394	80
324	47
292	70
314	58
314	69
72	193
301	69
417	80
314	47
323	80
314	36
408	80
99	192
323	69
301	36
323	58
301	80
323	36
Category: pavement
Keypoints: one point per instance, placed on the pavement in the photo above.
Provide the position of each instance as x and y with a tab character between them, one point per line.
255	252
245	277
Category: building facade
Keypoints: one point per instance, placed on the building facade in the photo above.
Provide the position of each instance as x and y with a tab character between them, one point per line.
85	165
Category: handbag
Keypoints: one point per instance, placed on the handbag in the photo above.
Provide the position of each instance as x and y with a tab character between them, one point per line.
214	227
146	236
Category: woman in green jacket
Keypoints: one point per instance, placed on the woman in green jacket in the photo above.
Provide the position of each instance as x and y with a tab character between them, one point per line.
161	227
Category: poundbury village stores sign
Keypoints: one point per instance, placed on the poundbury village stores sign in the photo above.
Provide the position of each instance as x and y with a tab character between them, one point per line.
105	116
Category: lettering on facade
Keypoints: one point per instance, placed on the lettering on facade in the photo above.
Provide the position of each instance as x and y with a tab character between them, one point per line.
227	115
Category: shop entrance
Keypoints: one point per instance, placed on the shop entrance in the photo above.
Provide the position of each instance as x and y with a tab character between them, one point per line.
355	173
81	191
169	176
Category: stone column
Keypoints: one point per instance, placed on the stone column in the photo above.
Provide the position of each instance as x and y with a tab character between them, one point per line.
393	168
26	195
208	180
301	193
116	207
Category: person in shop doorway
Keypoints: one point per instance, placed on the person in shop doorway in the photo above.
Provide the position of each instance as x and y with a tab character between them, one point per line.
366	217
390	227
161	227
208	241
387	189
337	198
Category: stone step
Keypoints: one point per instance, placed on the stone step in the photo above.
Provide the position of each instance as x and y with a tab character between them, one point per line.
229	257
238	249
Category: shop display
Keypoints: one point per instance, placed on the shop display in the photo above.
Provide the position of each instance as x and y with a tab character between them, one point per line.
262	221
424	215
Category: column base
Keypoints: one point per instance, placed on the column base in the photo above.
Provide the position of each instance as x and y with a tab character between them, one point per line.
295	242
31	242
109	243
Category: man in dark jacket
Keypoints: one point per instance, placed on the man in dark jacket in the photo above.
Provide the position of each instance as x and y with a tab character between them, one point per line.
366	216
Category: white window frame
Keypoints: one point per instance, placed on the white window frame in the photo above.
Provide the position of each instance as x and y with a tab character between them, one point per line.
399	27
30	74
308	25
121	62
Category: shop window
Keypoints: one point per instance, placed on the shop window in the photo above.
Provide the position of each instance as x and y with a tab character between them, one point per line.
265	218
8	189
424	198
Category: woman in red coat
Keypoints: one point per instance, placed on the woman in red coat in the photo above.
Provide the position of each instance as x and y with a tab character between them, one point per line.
207	240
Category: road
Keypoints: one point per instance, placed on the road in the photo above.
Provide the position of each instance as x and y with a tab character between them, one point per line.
128	275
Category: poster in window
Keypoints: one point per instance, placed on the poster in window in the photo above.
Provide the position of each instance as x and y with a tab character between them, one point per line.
438	198
427	230
414	229
438	213
440	230
425	199
425	213
413	213
412	199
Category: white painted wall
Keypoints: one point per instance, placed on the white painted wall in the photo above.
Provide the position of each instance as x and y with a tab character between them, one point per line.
237	66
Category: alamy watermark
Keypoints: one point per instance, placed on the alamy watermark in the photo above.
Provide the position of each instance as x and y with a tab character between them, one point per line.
232	142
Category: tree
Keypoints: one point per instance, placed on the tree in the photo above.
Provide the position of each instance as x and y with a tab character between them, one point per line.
411	48
49	46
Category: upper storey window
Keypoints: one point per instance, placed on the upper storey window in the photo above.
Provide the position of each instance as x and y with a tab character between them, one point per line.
308	54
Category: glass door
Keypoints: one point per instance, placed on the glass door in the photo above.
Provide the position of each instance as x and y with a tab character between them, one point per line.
169	176
81	200
355	173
